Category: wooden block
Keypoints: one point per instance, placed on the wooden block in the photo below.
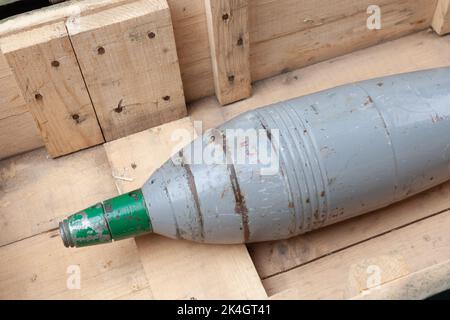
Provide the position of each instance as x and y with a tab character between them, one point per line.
230	48
48	75
208	271
129	61
370	264
38	192
441	19
40	268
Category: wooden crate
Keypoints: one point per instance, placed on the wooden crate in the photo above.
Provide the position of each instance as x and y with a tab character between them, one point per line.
408	241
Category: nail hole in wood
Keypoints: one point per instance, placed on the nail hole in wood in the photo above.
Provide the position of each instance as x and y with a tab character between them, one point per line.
38	96
225	16
166	98
101	50
55	63
240	42
231	79
76	117
151	35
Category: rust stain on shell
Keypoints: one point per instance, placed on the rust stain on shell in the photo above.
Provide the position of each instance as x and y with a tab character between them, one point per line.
193	188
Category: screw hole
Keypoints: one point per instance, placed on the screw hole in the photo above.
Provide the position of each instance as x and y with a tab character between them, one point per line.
101	50
38	96
240	42
55	64
166	98
225	16
75	117
151	35
231	79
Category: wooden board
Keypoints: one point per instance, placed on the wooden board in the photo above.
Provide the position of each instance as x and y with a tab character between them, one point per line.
51	83
208	271
230	48
40	268
441	19
128	58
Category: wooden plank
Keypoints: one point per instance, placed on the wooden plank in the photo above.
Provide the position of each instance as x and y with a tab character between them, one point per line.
39	268
415	286
37	192
18	131
18	134
55	13
48	75
208	271
441	19
128	57
381	260
191	35
341	30
230	48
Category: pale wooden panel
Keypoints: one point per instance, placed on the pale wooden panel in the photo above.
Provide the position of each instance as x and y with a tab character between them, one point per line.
441	19
349	272
129	62
208	271
191	35
417	285
341	30
37	268
18	133
48	75
230	48
55	13
37	192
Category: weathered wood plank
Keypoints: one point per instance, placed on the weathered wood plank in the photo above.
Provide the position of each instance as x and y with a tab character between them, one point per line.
40	267
230	48
51	83
129	61
441	19
208	271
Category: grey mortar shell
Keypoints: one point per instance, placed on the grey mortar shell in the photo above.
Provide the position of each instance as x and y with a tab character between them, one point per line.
342	152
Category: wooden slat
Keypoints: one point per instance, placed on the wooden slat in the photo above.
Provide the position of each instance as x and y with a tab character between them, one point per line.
37	192
51	83
349	272
37	268
417	285
191	35
128	58
441	19
208	271
230	48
